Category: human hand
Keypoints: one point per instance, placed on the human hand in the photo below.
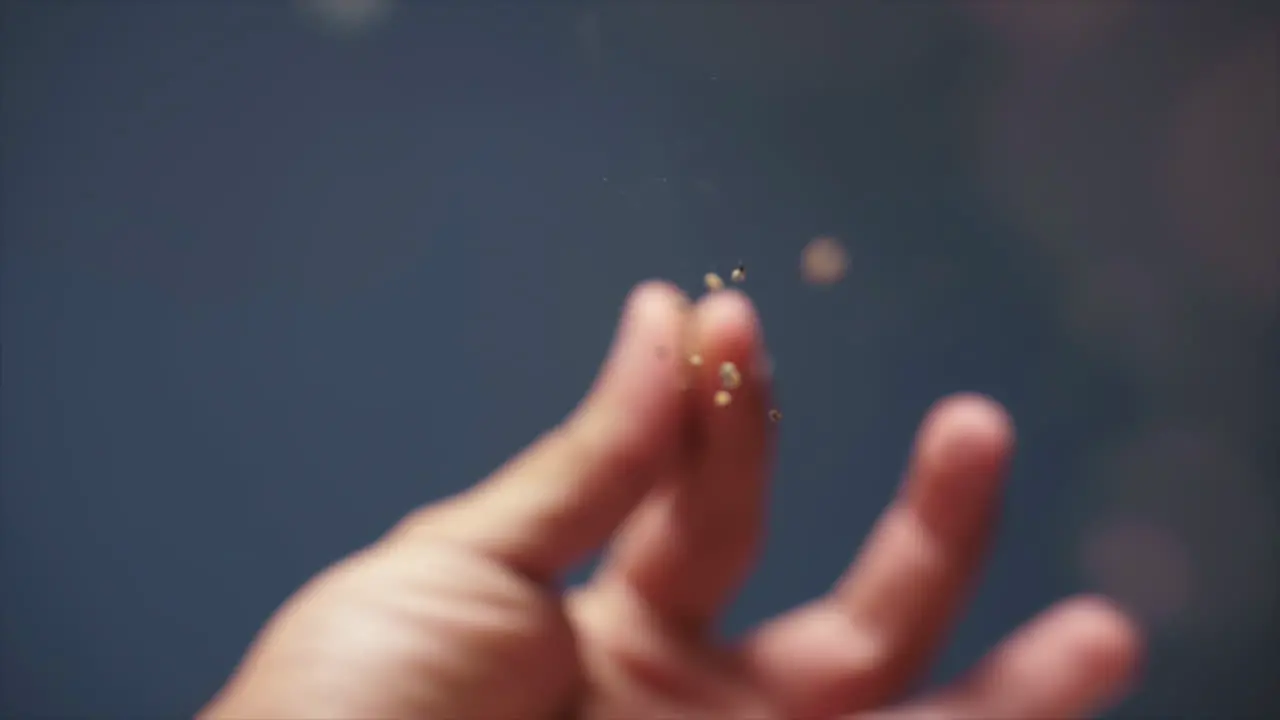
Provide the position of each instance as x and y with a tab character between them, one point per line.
456	613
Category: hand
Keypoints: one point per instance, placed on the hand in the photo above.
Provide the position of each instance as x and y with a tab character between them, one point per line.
456	612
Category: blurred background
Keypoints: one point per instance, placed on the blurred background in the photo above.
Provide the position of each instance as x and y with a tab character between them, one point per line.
274	273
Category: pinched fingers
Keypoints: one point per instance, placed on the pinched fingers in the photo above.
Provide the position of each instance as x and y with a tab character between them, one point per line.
691	544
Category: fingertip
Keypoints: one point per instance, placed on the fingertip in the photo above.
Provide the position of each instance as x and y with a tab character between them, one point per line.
961	451
1075	659
656	295
652	313
967	429
1106	637
728	329
973	416
652	324
728	314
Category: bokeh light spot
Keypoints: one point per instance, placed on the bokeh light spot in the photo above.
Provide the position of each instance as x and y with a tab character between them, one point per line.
347	17
823	261
1140	564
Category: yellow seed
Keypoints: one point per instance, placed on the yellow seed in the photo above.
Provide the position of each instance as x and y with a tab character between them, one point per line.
775	415
730	378
723	398
695	360
713	282
739	274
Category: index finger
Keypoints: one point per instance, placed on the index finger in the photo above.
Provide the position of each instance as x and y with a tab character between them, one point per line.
563	496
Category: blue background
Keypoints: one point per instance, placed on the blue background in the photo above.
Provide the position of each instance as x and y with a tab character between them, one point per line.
276	273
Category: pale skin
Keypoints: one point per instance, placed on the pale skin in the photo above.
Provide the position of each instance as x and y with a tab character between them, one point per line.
457	612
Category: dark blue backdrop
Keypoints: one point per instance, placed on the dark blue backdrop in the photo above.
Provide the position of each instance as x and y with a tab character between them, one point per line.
275	273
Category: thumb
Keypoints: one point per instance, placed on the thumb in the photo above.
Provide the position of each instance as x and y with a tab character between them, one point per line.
563	496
